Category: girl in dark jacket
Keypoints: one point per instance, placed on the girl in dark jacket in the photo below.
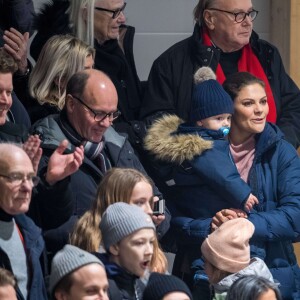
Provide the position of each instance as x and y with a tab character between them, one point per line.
128	235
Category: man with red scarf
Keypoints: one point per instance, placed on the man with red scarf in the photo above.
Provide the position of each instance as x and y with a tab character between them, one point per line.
224	40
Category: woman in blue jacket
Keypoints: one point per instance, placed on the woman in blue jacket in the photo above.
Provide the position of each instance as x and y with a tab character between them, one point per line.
271	167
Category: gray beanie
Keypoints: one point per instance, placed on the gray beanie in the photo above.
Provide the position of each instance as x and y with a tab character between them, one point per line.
67	260
120	220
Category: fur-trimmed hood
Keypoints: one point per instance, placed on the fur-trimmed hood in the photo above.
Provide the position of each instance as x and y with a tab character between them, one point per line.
167	144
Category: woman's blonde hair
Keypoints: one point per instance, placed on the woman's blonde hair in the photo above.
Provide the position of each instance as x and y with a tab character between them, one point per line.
61	57
117	185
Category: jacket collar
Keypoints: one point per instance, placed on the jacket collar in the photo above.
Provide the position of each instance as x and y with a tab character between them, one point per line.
165	142
267	139
29	230
209	55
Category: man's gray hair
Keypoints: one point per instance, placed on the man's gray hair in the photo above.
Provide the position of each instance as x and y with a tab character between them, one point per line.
200	8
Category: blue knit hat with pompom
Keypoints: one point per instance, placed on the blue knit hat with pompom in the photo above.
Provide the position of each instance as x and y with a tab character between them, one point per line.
209	98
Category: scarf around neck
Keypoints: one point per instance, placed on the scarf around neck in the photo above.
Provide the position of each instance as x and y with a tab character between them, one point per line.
248	62
93	151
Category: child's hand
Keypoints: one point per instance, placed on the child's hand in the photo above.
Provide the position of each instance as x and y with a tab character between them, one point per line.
251	201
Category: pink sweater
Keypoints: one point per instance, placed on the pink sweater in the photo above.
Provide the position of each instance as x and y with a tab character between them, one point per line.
243	156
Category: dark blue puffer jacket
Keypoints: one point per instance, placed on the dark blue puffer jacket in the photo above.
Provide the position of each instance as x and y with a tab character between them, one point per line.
197	170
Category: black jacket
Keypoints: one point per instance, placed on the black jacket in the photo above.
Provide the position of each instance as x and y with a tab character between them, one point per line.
120	66
11	132
16	13
18	113
122	285
171	81
52	19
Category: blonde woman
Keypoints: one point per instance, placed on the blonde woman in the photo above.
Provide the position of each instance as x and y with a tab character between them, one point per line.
61	57
118	185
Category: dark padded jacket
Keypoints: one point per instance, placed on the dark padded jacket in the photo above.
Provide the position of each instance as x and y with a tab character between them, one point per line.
34	246
196	168
11	132
122	285
18	14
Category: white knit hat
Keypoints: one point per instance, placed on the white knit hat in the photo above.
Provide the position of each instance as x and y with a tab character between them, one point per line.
227	248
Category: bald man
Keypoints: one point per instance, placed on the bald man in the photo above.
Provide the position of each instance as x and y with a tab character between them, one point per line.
17	231
83	131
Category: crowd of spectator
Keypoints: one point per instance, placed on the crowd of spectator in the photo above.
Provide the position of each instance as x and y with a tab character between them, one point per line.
101	174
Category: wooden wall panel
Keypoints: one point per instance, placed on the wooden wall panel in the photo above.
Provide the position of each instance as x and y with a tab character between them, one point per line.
295	41
280	28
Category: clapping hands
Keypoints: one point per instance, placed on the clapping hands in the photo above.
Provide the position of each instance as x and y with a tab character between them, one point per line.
62	165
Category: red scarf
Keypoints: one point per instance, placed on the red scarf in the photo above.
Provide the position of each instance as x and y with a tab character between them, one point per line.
248	62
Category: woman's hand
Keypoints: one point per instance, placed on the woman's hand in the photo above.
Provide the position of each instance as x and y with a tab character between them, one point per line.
225	215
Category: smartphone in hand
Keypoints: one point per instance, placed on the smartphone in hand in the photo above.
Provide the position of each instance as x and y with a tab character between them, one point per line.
159	207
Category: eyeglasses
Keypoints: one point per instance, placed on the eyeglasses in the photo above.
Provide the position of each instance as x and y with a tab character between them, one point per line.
240	16
17	178
100	115
115	13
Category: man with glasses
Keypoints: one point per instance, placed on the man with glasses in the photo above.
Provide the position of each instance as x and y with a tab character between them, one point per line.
83	129
224	40
21	242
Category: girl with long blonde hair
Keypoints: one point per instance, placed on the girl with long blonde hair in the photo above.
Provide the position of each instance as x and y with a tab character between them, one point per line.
118	185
